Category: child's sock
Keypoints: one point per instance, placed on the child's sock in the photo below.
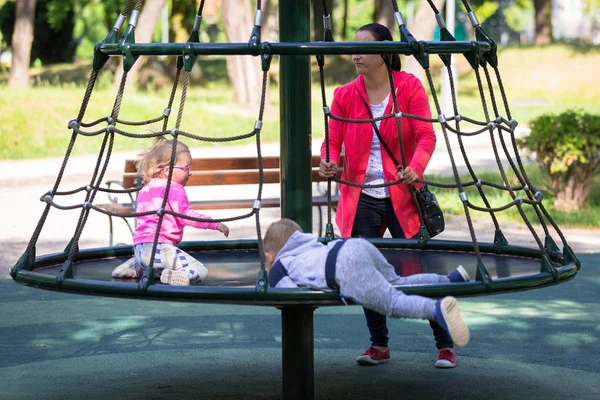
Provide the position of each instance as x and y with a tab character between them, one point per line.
460	274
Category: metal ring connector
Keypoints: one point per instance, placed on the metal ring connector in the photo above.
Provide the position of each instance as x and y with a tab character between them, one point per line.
135	14
197	22
399	19
258	18
473	19
440	20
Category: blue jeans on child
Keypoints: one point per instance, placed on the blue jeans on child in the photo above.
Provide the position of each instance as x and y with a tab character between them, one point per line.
372	217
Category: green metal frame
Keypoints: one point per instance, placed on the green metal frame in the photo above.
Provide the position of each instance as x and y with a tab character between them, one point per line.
563	269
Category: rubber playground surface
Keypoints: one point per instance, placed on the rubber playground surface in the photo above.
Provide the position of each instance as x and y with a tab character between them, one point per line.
538	344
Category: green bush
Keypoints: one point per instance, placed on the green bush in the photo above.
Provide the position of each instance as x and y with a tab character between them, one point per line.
567	145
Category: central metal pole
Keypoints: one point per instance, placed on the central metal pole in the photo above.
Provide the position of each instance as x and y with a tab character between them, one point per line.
297	323
297	348
295	116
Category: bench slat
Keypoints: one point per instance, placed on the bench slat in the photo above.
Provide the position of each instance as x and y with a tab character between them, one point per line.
228	177
206	178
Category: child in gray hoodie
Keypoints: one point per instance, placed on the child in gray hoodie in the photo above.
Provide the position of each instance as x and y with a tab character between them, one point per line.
359	271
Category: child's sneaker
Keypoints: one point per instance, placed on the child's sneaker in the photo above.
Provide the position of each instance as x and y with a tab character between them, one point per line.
460	274
446	359
174	277
373	356
447	314
126	270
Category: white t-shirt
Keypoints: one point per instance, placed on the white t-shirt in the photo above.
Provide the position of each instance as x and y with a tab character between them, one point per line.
374	174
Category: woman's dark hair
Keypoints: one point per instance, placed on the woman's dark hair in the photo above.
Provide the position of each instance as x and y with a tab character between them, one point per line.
381	33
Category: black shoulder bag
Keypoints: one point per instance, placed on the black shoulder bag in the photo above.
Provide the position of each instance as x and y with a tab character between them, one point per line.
427	206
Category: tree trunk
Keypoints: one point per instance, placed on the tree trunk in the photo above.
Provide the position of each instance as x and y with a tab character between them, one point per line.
143	34
345	22
571	191
21	43
245	72
319	29
265	31
384	14
423	30
590	24
543	21
469	29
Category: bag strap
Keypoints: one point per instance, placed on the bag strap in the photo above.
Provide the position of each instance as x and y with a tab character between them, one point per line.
383	143
414	192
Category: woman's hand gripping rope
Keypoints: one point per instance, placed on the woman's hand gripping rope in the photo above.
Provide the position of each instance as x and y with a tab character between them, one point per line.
407	175
328	169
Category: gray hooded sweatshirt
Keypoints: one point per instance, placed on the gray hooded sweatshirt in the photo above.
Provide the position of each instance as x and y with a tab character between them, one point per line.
361	272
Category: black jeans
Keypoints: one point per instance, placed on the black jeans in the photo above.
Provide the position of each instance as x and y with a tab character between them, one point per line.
373	216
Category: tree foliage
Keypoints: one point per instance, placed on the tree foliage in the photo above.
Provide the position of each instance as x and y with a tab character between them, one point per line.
567	145
53	40
519	16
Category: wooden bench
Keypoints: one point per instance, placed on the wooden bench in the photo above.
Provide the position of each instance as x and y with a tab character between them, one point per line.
219	172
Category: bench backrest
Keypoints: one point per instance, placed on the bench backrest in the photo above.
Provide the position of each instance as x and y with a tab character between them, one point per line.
230	171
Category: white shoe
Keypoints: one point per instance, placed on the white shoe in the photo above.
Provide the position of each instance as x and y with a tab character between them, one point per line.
463	272
174	277
126	270
460	274
447	313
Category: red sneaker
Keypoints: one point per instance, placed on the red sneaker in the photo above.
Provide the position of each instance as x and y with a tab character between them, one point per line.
446	359
373	356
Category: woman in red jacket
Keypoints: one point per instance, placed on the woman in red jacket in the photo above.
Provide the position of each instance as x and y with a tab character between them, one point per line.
367	212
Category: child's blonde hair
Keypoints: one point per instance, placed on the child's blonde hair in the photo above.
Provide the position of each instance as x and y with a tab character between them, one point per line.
151	162
278	234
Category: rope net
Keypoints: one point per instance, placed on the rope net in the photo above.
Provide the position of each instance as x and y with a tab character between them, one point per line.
497	124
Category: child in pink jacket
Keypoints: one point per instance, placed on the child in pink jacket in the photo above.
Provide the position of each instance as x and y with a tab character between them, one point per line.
172	265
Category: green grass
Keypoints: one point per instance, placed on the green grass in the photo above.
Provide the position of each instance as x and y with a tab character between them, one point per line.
588	216
33	122
537	80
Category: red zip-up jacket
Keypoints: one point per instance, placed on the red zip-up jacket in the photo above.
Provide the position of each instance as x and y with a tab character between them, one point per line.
418	137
